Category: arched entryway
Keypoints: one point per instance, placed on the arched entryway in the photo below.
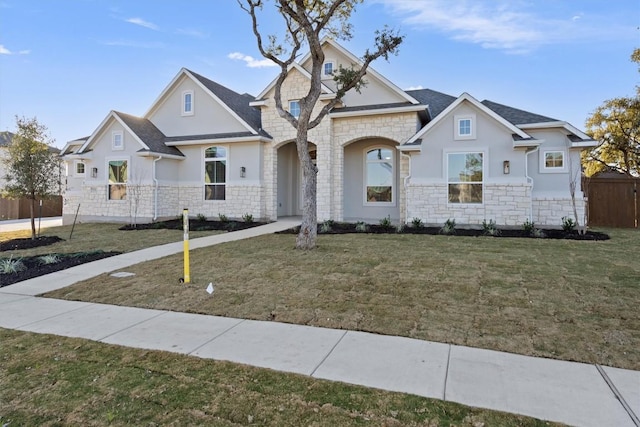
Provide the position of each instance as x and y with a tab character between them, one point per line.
289	190
372	182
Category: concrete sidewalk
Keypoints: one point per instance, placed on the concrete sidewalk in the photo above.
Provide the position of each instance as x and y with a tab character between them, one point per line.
572	393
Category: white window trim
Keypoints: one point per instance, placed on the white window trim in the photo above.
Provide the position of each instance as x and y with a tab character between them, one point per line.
115	147
106	178
292	101
333	68
226	172
184	95
484	173
75	168
456	127
394	187
542	163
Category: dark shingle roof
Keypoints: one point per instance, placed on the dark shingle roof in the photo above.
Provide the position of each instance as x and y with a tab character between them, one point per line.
372	107
437	101
235	101
516	116
149	134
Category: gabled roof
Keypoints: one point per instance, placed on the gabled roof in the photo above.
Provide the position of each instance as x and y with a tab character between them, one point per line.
323	88
462	98
435	101
516	116
144	132
370	71
148	134
234	103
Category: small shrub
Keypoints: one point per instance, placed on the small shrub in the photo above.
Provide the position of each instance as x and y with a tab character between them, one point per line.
538	234
528	227
362	227
49	259
248	218
490	228
201	217
417	222
325	227
386	222
10	265
449	227
400	228
223	218
230	226
159	225
568	224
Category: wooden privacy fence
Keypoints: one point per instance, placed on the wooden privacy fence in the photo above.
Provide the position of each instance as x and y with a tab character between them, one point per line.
613	201
19	208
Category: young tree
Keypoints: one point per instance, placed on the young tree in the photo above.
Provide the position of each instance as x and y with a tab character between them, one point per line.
306	23
33	168
616	124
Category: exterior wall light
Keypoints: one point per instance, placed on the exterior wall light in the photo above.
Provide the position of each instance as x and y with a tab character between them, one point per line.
94	172
506	167
243	171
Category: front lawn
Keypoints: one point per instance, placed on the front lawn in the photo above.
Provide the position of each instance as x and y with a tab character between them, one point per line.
49	380
571	300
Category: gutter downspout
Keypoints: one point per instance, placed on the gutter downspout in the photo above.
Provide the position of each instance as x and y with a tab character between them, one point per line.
405	183
155	189
530	180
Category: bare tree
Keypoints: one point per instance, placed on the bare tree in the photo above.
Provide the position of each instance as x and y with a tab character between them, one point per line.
134	190
306	23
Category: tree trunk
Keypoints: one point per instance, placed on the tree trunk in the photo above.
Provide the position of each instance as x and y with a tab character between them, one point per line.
32	211
306	239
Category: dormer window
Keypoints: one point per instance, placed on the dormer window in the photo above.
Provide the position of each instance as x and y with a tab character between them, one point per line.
117	140
294	108
327	69
465	127
187	103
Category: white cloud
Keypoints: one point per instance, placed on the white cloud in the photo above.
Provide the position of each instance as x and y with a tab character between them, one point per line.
414	87
129	43
5	51
513	26
141	22
192	32
251	61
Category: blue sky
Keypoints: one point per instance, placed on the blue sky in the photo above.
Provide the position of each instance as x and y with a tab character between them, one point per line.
69	62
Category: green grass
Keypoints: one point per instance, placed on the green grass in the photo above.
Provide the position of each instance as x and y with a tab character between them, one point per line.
88	237
51	381
563	299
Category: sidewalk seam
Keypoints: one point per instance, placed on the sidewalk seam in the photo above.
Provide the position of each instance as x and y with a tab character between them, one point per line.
132	325
446	374
216	337
328	354
618	395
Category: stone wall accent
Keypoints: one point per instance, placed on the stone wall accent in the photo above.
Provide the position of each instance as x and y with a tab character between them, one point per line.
550	210
505	204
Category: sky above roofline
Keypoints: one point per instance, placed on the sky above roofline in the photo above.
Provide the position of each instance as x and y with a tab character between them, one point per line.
70	62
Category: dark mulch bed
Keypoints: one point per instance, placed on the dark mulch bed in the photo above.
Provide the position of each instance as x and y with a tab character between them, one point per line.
345	228
29	243
34	266
194	225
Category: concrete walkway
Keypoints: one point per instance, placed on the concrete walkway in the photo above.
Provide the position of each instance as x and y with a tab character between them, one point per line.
572	393
25	224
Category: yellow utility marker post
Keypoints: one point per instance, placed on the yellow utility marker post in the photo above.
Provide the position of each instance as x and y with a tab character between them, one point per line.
185	226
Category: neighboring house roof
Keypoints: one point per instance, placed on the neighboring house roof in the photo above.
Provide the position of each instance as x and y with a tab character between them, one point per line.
516	116
436	102
5	138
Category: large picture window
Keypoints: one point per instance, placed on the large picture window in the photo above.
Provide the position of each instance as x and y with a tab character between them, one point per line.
215	173
117	179
465	177
379	175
